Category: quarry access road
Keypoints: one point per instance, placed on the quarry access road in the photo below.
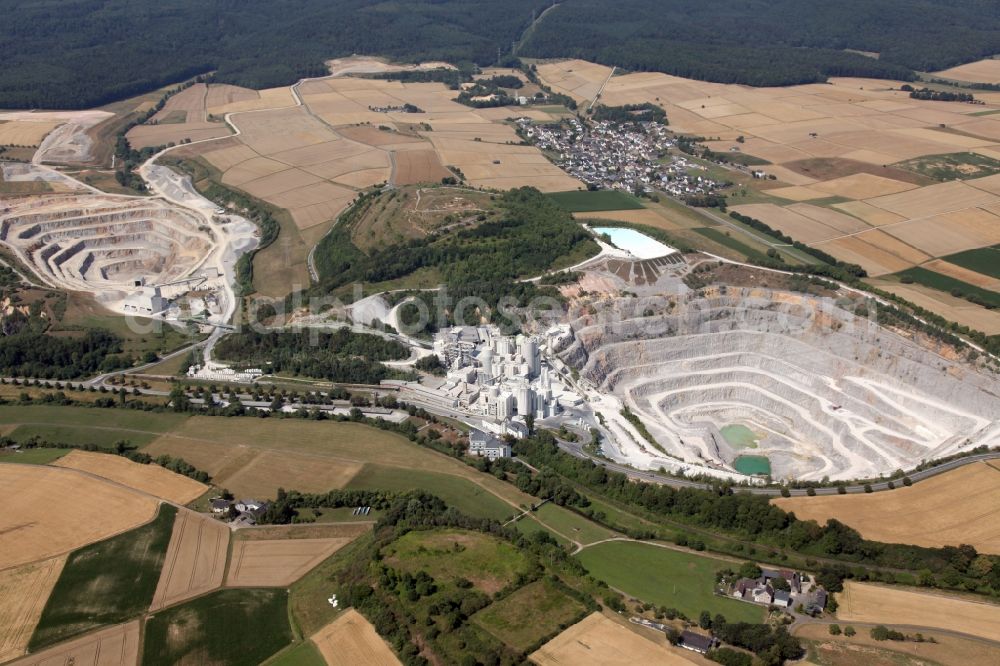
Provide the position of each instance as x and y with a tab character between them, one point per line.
576	449
101	379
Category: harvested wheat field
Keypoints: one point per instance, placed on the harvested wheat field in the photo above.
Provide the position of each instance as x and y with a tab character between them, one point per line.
981	71
839	222
184	116
863	186
213	445
934	200
949	233
579	79
792	223
645	216
196	559
875	251
868	213
947	650
23	593
951	308
865	602
350	640
374	136
418	166
278	563
151	479
797	193
599	641
265	473
223	99
253	472
953	508
25	132
114	646
34	531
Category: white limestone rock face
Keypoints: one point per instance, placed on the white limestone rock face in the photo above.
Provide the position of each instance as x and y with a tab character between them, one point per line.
828	394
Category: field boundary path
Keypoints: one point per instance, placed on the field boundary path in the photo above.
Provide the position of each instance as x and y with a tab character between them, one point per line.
600	92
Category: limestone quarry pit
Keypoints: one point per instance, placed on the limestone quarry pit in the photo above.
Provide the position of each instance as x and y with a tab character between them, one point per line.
826	392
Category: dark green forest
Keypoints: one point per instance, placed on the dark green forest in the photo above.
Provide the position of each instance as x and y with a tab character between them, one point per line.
771	42
339	356
84	53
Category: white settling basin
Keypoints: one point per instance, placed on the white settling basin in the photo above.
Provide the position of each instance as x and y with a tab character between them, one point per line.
635	243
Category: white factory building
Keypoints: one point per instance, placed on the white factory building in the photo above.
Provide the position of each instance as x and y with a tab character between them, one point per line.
145	300
501	378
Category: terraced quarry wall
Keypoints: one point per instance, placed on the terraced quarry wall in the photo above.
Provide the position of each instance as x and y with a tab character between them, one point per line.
827	393
103	243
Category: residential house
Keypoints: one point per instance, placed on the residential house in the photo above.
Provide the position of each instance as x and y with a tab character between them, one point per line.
763	594
782	599
250	505
219	505
743	587
792	577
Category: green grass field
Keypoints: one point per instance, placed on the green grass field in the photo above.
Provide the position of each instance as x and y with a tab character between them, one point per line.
985	260
952	166
620	518
103	438
571	525
461	493
300	654
106	582
34	456
950	285
85	417
529	615
450	554
588	202
308	596
666	578
529	525
228	627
